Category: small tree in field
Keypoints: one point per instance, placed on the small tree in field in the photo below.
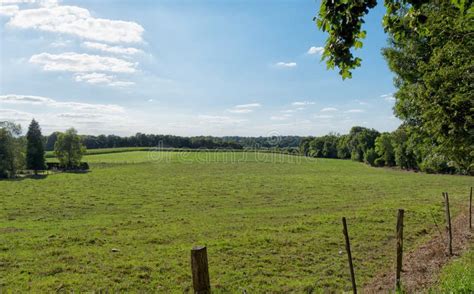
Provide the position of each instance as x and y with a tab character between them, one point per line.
34	148
69	149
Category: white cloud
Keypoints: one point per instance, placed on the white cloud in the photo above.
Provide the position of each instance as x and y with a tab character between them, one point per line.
112	49
244	108
43	3
354	111
281	117
76	21
328	109
76	106
315	50
75	62
78	115
14	115
215	119
8	10
302	103
60	43
285	64
250	105
101	78
22	99
324	116
388	97
361	102
16	1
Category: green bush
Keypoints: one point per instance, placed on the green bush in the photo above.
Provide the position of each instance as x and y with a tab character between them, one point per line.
379	162
370	156
435	163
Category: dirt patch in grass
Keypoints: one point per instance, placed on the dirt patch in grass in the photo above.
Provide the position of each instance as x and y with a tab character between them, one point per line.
422	266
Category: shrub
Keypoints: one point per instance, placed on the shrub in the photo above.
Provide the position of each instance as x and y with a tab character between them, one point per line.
370	156
436	163
379	162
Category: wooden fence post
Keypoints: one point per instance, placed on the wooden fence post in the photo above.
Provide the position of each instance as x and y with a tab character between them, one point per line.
349	255
200	270
401	213
470	210
448	223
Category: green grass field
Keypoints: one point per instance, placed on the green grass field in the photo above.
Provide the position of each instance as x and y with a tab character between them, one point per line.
272	223
457	276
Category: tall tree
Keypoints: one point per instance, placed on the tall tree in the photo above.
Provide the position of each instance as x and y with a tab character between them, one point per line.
11	155
34	148
384	149
430	52
51	140
360	140
69	149
435	81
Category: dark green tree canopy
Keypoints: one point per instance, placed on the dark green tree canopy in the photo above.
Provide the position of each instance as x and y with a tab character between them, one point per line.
343	20
431	49
34	147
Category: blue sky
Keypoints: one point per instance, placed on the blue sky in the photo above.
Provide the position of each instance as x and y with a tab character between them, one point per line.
184	68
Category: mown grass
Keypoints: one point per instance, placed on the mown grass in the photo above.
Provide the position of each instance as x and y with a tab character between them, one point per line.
272	223
50	154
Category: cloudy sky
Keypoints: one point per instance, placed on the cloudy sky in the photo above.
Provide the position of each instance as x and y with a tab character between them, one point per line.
184	67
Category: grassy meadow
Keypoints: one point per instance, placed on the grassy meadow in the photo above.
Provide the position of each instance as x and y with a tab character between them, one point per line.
458	275
272	223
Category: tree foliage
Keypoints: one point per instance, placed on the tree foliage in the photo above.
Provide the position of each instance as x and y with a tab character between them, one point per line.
343	20
11	149
34	147
69	149
431	49
384	148
435	81
402	148
170	141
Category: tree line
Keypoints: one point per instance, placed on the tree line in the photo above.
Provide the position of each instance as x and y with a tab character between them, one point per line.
19	152
170	141
147	140
400	148
28	153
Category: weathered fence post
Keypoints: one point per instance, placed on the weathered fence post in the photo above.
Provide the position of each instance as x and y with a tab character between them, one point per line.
448	223
200	270
349	255
401	212
470	210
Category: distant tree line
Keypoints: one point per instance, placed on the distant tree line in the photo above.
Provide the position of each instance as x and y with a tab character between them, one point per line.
400	148
170	141
147	140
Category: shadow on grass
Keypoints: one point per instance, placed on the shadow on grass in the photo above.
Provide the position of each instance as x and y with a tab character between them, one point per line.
24	177
42	176
75	171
